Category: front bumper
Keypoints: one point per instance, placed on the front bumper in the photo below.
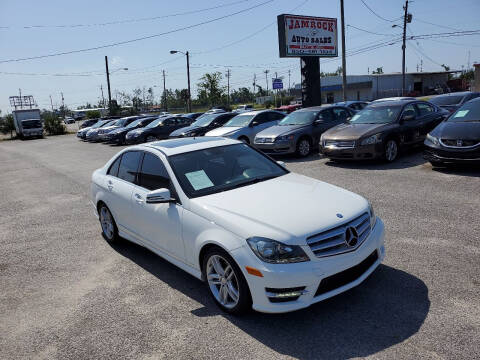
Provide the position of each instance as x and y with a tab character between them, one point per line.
309	275
452	155
361	152
279	147
134	140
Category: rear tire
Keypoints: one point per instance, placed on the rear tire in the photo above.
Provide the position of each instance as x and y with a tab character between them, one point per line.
109	227
226	283
437	163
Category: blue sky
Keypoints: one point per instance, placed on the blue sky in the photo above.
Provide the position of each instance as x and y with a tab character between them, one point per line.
146	59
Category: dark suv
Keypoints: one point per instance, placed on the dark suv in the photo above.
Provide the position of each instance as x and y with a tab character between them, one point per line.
203	124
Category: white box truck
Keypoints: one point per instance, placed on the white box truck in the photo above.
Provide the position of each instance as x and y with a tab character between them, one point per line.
28	123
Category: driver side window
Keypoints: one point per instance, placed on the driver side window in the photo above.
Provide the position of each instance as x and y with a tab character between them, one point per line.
409	111
153	175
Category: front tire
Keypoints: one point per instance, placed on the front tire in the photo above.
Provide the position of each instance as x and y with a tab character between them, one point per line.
109	227
244	139
303	147
391	150
226	282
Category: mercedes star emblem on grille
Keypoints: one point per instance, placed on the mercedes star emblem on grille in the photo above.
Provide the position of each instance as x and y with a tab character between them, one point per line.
459	143
351	236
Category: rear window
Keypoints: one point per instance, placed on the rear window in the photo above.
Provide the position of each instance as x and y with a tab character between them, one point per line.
31	124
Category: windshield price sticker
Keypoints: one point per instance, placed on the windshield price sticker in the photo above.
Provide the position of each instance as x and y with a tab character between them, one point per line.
461	113
199	180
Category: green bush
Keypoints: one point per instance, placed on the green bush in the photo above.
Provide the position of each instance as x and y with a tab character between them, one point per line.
53	124
7	125
93	114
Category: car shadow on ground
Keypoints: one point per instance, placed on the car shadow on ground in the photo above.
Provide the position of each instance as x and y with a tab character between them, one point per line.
468	170
388	308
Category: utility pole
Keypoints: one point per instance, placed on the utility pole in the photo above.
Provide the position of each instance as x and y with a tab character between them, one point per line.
421	65
164	92
188	77
266	78
63	105
108	84
228	87
405	19
254	84
51	102
344	65
103	98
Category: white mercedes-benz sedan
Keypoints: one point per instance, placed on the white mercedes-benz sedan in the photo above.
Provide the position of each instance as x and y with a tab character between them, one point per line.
259	235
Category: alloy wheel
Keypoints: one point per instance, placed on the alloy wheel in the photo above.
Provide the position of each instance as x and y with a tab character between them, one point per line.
304	147
391	150
106	221
222	281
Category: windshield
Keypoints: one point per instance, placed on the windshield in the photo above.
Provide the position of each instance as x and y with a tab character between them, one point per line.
469	112
99	123
299	118
239	120
213	170
377	115
446	100
133	124
109	123
121	122
31	124
204	120
155	123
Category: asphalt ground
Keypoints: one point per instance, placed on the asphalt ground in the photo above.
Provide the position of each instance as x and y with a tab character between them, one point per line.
67	294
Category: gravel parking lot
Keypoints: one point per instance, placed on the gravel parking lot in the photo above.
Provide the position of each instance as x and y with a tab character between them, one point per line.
66	293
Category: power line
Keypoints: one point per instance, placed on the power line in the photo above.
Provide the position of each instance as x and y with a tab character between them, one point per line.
117	22
374	13
370	32
138	39
438	25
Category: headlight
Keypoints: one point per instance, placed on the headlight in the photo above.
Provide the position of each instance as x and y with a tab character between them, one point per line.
284	138
374	139
191	134
373	217
275	252
432	139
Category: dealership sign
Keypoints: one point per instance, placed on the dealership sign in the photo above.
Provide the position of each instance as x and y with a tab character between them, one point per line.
307	36
277	84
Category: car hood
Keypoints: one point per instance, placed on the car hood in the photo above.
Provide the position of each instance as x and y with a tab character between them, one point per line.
457	130
288	208
355	131
223	130
278	130
185	130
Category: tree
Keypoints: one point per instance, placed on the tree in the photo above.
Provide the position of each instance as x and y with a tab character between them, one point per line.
7	125
209	88
93	114
52	124
378	71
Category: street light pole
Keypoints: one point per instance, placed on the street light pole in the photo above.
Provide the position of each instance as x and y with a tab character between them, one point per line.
404	45
189	101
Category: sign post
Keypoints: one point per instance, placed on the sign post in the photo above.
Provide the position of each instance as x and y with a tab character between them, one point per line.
309	38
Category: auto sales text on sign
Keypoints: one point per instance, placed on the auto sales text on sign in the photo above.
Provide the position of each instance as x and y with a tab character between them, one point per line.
307	36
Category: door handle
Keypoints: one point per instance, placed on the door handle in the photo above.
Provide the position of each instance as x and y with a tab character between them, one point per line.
110	185
138	199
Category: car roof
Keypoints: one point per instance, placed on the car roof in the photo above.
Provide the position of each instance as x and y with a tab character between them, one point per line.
393	102
318	108
183	145
459	93
395	98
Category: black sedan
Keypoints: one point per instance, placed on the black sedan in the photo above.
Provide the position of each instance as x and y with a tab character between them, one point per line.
89	122
203	124
456	140
157	130
117	136
453	101
353	104
381	130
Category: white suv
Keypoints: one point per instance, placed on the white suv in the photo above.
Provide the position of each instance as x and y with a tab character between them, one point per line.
259	235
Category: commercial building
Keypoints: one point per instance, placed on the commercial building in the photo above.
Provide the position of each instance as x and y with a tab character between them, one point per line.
375	86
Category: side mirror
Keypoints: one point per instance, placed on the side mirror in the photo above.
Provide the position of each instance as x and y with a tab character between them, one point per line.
159	196
282	164
254	123
318	121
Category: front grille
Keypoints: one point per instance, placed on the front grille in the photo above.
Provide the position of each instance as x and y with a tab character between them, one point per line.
347	276
264	140
460	143
343	144
332	242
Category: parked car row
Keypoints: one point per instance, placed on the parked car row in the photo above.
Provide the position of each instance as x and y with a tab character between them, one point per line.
352	130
